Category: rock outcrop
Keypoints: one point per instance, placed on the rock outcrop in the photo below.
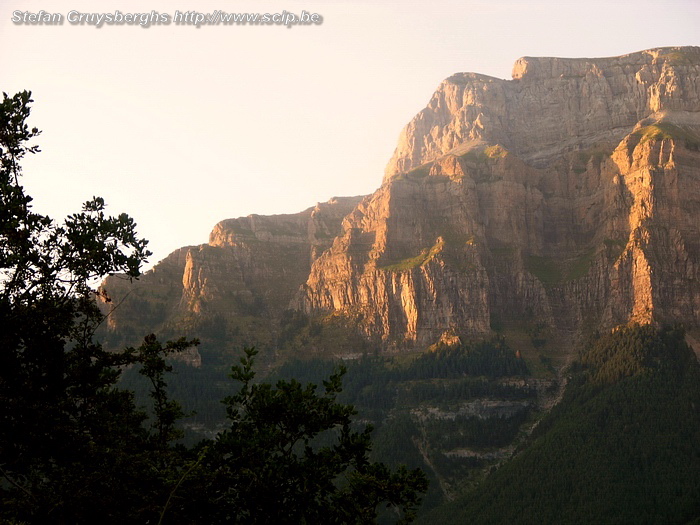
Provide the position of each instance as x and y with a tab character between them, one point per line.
552	105
568	195
252	266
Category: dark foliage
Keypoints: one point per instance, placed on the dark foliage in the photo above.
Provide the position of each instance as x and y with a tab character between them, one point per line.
290	455
486	358
623	446
386	392
75	448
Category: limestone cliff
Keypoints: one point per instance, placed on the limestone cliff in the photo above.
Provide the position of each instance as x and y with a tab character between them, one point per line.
552	105
569	195
252	266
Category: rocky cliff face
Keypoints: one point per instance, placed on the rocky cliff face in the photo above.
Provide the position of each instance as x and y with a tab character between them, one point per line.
551	106
258	260
252	266
568	195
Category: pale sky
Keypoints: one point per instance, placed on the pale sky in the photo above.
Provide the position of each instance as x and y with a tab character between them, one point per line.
182	127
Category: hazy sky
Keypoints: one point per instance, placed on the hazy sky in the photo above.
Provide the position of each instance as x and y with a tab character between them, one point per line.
182	126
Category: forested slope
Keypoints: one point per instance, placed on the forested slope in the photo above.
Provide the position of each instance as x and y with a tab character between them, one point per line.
623	446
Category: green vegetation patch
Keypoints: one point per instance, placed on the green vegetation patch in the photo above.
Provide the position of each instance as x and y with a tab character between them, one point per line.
414	262
666	131
682	58
614	243
504	250
420	172
492	358
496	152
552	271
546	269
580	160
615	247
476	155
454	237
621	446
579	267
480	157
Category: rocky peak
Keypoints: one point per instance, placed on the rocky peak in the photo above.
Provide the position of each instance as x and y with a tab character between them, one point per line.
553	198
566	198
551	106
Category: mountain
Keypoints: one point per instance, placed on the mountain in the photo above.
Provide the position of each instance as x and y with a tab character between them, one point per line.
568	194
561	201
517	221
250	269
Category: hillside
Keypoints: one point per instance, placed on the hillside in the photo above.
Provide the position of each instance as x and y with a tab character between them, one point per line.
621	447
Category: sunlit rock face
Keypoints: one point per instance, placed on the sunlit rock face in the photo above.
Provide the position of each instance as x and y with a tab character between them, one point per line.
551	106
569	194
252	266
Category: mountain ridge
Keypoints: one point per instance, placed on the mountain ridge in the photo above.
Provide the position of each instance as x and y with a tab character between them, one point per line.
564	197
466	295
588	95
508	236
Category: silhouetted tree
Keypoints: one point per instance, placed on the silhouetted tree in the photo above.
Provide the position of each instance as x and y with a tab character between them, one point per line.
74	448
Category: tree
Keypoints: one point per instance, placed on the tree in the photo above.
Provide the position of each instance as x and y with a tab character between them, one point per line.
290	455
75	448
